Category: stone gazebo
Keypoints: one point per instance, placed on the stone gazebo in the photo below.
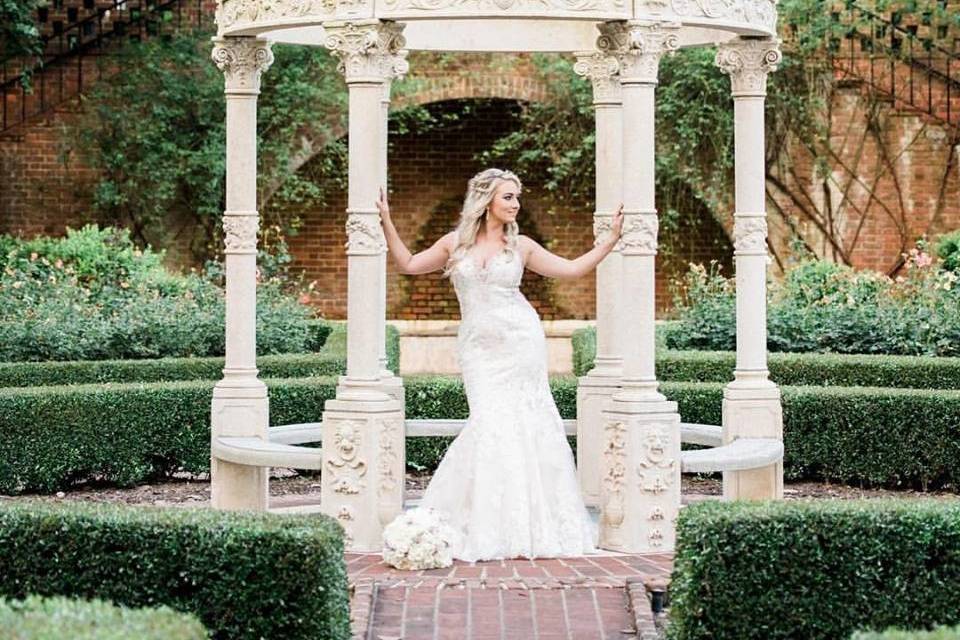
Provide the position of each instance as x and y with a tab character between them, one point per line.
629	435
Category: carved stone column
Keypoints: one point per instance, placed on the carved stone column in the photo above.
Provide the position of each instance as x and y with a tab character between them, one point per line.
595	389
640	486
240	406
392	384
363	428
751	403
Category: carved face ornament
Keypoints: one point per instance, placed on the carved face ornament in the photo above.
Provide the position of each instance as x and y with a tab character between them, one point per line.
657	443
346	441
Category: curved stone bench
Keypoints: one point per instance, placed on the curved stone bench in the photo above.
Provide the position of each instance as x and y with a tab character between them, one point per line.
280	450
740	455
297	433
255	452
691	433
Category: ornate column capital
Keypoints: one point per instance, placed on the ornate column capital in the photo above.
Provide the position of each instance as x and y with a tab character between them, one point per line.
638	47
241	60
639	237
603	71
369	51
750	234
748	62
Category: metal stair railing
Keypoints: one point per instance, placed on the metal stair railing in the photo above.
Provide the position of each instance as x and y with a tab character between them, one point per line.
76	43
894	60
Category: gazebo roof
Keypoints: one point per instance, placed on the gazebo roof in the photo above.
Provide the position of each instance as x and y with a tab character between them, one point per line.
497	25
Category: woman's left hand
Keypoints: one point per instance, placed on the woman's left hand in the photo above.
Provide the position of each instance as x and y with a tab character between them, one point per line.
616	229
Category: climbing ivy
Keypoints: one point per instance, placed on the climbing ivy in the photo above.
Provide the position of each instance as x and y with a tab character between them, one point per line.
19	36
156	134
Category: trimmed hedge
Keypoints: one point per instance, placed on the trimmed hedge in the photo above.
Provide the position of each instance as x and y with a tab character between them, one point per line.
39	374
244	575
37	618
124	434
794	369
940	633
818	570
54	436
329	361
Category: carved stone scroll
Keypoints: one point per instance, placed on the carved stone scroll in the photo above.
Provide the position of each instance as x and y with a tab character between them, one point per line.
748	62
242	60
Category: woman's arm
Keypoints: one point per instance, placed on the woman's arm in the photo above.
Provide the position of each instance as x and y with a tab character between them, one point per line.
432	259
551	265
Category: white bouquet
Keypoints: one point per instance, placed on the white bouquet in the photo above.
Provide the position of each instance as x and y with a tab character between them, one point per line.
419	539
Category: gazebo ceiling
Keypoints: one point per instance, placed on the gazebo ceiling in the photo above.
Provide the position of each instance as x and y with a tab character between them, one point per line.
496	25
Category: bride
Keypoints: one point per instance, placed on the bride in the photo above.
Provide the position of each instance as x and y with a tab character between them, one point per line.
507	484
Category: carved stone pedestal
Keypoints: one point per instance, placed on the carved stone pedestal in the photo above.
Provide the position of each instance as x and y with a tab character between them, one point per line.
239	411
363	470
593	393
640	481
752	413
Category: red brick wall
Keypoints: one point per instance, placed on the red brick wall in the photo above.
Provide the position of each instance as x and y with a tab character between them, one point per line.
893	178
43	188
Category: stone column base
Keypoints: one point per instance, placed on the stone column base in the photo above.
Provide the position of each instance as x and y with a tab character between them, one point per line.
241	409
363	469
593	393
753	413
640	482
392	385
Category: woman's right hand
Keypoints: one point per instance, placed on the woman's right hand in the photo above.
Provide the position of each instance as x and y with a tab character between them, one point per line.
383	207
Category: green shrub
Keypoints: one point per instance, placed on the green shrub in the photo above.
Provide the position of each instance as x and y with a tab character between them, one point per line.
330	359
244	575
37	618
824	307
393	349
290	365
940	633
821	369
94	295
817	570
948	250
124	434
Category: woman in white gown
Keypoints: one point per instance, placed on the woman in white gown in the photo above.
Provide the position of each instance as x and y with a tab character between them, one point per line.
508	482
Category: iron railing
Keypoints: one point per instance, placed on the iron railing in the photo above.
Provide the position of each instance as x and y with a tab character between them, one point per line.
62	72
913	71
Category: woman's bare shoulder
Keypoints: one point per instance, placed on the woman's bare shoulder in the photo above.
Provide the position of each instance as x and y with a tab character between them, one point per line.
449	241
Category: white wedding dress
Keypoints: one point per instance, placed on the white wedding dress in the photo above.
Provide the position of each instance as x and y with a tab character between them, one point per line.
507	483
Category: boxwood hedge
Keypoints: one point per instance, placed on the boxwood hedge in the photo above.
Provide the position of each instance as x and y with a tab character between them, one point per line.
40	374
59	618
818	570
794	369
244	575
54	436
330	360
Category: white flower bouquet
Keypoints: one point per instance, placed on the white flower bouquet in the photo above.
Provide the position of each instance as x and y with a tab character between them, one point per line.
419	539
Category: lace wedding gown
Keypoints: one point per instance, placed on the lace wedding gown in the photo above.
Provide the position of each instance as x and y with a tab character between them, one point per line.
508	482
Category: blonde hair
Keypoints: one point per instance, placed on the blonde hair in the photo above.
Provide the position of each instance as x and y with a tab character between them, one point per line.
480	191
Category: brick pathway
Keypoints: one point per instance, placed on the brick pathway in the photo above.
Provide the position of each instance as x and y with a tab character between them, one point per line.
546	599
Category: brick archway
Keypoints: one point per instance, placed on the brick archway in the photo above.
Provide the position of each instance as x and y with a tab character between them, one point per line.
429	172
468	77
